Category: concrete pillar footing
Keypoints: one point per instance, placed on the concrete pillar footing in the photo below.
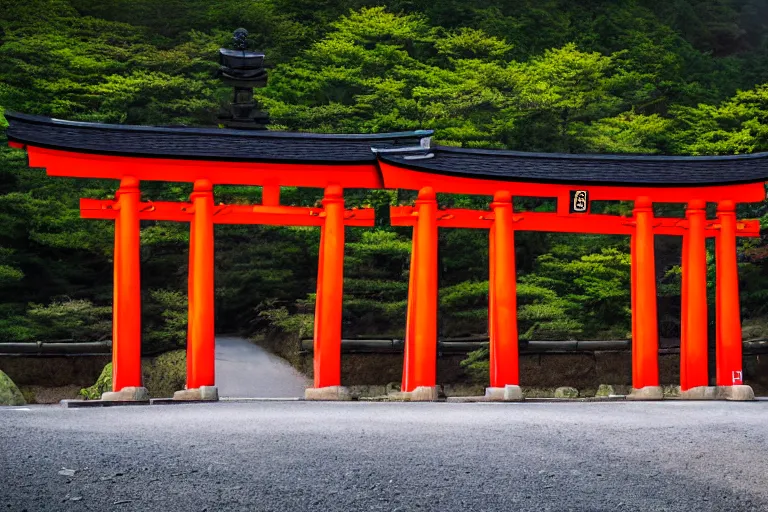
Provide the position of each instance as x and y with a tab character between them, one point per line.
203	393
127	394
331	393
494	394
735	393
646	393
422	394
699	393
509	393
513	393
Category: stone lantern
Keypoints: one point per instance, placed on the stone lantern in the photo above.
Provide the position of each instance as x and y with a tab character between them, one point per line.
243	70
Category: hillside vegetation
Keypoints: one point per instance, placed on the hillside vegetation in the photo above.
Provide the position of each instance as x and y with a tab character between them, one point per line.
685	77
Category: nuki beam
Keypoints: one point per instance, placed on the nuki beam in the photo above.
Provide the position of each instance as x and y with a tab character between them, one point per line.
202	214
502	222
228	214
589	223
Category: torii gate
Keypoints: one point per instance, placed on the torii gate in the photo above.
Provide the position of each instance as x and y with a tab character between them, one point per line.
207	157
574	181
202	214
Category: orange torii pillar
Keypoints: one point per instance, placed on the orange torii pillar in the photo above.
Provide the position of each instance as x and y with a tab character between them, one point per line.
420	359
491	295
328	305
729	342
201	344
645	336
693	343
126	307
502	301
408	357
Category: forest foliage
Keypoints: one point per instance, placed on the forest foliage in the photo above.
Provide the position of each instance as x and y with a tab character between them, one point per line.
685	77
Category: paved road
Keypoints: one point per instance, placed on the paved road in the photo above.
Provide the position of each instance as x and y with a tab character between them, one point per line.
296	456
246	370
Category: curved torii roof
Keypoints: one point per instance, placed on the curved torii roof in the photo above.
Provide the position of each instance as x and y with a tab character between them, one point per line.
215	144
223	156
617	170
391	160
675	179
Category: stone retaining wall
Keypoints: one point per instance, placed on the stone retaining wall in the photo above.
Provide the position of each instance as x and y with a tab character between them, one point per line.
581	370
54	371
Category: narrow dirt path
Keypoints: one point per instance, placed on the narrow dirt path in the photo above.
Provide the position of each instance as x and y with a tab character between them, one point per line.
245	370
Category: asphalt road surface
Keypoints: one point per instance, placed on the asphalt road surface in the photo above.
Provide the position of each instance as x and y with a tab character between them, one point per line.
296	456
246	370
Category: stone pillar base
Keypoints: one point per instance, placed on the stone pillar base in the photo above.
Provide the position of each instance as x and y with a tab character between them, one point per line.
336	393
422	394
646	393
129	394
508	393
203	393
740	393
494	394
700	393
513	393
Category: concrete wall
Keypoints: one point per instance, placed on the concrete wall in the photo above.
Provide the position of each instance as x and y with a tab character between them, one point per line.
54	371
580	370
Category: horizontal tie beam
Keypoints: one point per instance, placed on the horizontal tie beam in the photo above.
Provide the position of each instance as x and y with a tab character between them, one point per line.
228	214
553	222
451	218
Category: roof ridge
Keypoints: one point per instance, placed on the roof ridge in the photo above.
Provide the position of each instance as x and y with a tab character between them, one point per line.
598	156
181	130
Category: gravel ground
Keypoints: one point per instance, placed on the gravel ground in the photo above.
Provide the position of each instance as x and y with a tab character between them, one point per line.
681	456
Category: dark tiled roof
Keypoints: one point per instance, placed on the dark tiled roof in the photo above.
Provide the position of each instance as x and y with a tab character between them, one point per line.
202	143
627	170
405	149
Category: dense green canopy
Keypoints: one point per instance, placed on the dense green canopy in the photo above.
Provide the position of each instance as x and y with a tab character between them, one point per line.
678	77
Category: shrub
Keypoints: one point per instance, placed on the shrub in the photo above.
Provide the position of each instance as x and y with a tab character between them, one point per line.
102	385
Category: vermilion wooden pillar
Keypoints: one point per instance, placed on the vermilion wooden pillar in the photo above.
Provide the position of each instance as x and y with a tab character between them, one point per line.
201	345
645	337
421	357
190	292
633	296
330	282
126	311
408	358
491	299
116	290
693	356
683	312
729	357
504	354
